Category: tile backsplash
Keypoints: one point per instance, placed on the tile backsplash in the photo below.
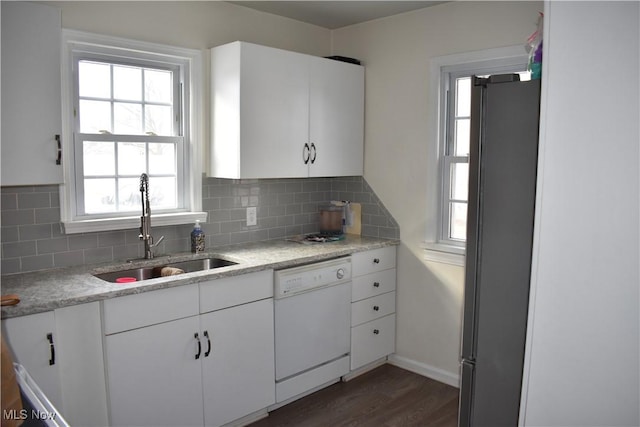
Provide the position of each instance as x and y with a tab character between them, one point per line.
32	237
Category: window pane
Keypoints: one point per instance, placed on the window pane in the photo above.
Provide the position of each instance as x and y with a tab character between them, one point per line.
463	96
162	159
163	192
131	158
158	120
95	116
129	194
462	137
127	83
458	221
157	86
98	158
94	79
459	181
99	195
127	118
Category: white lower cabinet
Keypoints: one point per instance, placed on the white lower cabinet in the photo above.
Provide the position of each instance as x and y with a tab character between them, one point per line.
373	306
239	373
154	378
62	351
208	368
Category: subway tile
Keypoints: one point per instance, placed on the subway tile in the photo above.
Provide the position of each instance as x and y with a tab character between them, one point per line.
96	255
10	266
18	249
115	238
37	262
68	259
18	217
18	189
9	234
286	207
277	233
83	241
35	232
34	200
9	201
52	245
47	215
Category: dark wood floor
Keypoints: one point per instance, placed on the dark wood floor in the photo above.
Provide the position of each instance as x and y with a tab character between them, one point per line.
386	396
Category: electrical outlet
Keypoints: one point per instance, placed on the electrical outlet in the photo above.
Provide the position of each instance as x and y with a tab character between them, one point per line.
252	216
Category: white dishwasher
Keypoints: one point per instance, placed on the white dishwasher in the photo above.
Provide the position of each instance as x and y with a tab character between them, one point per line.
312	312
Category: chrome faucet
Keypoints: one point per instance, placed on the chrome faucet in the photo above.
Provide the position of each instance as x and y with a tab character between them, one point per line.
145	219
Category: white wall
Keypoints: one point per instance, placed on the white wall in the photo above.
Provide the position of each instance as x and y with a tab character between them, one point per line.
583	347
396	52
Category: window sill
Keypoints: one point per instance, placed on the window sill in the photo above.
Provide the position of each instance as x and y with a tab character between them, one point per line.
443	253
110	224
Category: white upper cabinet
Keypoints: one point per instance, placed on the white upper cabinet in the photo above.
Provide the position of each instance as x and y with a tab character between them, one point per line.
280	114
31	111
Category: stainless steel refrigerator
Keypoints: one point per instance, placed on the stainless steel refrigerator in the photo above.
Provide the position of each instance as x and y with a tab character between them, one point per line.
502	185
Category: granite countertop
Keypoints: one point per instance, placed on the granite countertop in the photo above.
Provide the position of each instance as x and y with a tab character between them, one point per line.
50	289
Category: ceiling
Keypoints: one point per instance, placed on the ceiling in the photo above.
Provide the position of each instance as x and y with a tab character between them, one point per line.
335	14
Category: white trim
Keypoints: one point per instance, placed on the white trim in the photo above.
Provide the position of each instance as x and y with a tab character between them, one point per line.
443	253
194	170
132	222
503	56
425	370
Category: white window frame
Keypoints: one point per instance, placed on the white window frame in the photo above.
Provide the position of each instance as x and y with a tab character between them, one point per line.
190	63
437	246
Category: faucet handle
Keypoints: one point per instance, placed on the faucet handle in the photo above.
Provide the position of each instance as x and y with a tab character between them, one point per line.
158	242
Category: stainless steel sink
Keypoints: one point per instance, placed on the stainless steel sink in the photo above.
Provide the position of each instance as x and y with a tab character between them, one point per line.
145	273
201	264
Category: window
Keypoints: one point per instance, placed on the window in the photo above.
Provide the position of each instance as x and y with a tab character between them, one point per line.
451	81
131	110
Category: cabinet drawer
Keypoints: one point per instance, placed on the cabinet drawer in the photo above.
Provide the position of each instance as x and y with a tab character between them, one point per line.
230	291
373	284
149	308
372	341
374	260
373	308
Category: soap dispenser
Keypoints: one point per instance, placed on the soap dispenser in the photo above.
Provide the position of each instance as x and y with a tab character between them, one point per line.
197	238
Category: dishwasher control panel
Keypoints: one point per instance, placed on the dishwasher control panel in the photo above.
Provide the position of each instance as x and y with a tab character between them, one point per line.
308	277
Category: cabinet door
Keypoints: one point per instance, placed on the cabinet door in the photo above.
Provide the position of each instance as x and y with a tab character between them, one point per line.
31	112
274	116
153	376
238	374
81	362
336	118
28	337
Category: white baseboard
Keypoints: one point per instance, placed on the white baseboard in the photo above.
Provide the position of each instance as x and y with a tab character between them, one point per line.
425	370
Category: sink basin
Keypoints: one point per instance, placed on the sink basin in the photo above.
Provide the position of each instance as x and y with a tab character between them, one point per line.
145	273
201	264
